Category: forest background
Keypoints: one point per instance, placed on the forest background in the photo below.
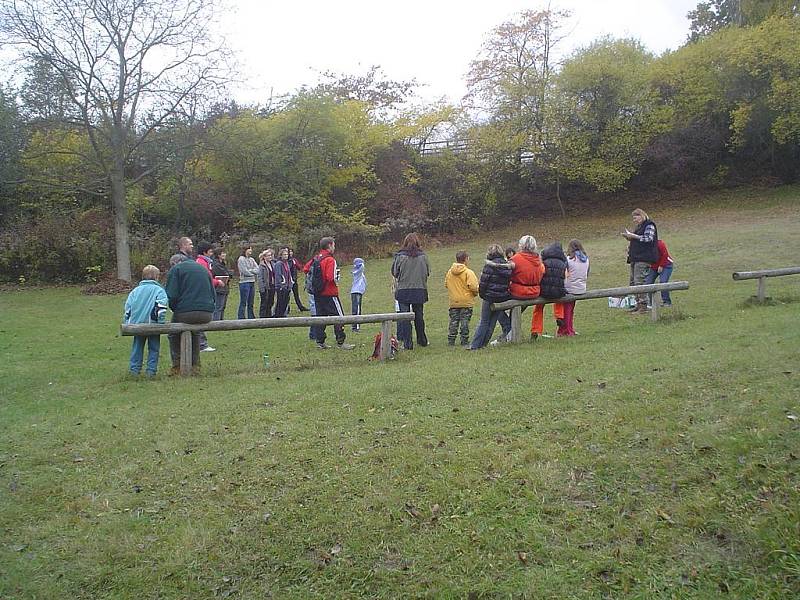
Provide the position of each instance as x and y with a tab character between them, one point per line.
122	123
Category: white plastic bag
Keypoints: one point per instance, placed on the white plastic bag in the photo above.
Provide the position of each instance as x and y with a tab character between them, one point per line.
628	301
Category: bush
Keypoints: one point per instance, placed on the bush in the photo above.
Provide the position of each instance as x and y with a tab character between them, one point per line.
57	248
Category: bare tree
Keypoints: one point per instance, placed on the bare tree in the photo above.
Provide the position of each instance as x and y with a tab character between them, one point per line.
127	66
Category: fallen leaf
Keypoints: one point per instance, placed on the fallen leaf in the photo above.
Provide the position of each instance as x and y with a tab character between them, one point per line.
78	459
664	516
412	510
337	548
523	557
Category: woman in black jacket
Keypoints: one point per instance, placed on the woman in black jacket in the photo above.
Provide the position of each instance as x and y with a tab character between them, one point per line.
493	287
642	252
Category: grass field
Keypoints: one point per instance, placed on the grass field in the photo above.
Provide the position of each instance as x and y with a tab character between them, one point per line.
637	460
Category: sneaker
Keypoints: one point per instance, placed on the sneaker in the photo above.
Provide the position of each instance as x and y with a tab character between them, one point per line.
547	336
345	346
494	343
208	349
667	304
322	346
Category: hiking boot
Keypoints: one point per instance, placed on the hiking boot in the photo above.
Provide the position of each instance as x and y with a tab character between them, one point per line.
345	346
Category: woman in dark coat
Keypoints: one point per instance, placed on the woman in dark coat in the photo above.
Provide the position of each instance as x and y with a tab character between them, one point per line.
642	252
411	270
493	287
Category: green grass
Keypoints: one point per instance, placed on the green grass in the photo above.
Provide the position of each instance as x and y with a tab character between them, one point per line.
637	460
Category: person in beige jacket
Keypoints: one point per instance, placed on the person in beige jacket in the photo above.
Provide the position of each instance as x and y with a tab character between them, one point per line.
462	289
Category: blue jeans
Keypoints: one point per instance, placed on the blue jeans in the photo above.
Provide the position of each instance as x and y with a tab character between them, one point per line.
137	353
221	301
247	295
662	277
487	324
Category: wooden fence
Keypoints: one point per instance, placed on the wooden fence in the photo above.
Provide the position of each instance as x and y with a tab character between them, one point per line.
516	305
185	329
762	275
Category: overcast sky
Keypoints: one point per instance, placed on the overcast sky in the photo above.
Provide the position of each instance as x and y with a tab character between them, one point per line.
283	45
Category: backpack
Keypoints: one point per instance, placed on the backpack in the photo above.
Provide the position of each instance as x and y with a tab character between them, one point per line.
314	281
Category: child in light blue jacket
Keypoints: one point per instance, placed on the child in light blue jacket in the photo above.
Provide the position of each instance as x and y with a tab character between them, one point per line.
147	303
358	288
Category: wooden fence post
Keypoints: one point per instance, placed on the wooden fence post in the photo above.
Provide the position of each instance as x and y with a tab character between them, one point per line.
186	353
761	294
386	340
654	308
516	325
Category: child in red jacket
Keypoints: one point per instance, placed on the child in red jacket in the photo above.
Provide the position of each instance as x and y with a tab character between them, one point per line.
661	270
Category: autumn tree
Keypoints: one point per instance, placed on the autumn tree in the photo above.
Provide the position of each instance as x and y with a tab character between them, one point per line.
127	65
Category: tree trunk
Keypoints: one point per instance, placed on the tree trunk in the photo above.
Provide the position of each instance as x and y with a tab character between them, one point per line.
120	210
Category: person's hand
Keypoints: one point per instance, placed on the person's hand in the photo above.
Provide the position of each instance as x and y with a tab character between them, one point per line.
660	269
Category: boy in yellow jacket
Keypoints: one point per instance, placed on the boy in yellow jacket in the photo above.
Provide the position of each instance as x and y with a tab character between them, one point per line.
462	288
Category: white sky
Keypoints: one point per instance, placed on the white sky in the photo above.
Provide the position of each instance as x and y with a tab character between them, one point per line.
283	45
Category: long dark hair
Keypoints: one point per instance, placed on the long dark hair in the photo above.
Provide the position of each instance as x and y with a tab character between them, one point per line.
411	242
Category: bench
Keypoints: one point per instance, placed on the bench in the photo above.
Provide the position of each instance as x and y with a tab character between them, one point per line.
516	305
185	329
762	278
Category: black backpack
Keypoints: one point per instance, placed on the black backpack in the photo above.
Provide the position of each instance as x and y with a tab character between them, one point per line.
314	281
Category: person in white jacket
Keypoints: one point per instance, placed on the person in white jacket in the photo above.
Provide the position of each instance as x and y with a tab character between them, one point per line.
574	283
248	270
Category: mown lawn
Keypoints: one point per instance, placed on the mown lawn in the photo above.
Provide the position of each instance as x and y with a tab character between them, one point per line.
637	460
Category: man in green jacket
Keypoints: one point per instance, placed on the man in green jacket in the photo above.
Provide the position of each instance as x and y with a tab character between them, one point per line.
191	298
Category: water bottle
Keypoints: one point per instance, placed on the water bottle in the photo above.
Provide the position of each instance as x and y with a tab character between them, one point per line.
266	360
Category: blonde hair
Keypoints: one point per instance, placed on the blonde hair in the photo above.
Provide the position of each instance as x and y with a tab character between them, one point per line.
641	213
151	272
495	251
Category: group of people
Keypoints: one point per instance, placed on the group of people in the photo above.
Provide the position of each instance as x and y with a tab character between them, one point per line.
197	289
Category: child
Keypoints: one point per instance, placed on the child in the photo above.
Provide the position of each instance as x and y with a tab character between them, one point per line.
147	303
552	286
493	287
661	270
462	287
358	288
575	283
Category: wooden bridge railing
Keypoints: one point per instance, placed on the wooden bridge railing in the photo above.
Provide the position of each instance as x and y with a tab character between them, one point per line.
185	329
516	305
762	278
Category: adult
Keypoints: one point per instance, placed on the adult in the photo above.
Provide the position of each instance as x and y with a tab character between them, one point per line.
186	247
266	283
248	270
191	298
411	270
528	271
283	283
204	252
493	287
296	266
220	270
327	301
642	252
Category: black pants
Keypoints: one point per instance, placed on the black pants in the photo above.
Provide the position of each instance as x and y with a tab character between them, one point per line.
282	304
404	327
193	318
328	306
267	299
297	300
355	300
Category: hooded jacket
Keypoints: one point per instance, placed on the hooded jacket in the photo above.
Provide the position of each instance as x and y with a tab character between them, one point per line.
147	303
462	286
577	273
495	278
527	274
555	268
359	278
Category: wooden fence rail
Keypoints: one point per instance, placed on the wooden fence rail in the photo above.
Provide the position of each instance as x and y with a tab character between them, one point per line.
762	275
185	329
516	305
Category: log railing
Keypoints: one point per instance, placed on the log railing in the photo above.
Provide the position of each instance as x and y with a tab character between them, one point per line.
761	292
185	329
516	305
